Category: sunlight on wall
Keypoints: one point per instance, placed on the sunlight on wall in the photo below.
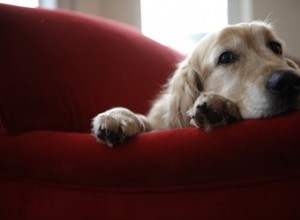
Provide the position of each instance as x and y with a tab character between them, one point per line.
181	23
27	3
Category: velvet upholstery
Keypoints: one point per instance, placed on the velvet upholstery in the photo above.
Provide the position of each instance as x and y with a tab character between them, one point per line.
59	69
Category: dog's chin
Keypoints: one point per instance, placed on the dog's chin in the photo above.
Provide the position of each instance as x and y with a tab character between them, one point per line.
273	109
279	110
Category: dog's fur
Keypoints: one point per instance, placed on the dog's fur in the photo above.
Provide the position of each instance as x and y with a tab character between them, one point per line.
225	79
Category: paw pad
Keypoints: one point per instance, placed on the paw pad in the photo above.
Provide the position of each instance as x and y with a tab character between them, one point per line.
111	138
211	115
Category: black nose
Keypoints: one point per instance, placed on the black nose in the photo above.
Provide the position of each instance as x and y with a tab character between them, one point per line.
284	84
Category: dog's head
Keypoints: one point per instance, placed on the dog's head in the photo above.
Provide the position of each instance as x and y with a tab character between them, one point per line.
246	63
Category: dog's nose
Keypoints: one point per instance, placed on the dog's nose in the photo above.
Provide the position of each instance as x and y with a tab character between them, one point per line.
284	84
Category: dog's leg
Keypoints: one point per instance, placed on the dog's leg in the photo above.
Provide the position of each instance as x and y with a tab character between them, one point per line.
211	111
115	125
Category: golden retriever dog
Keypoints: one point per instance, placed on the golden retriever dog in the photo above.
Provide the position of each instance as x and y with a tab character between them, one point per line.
239	72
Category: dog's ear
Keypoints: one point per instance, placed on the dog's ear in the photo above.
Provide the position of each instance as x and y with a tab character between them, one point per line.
292	64
186	81
197	80
184	87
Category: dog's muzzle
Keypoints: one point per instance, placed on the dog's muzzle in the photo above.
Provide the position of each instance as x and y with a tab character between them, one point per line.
284	84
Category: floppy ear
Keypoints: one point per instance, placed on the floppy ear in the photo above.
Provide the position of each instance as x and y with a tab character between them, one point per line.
292	64
184	88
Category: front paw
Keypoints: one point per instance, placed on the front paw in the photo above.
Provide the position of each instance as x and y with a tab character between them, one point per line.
211	111
116	125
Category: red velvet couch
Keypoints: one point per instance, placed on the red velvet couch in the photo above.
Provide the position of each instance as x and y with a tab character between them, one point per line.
59	69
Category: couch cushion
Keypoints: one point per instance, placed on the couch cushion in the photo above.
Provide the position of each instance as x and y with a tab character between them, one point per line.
59	69
248	152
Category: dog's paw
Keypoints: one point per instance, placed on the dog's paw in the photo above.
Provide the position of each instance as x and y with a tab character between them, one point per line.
115	125
211	111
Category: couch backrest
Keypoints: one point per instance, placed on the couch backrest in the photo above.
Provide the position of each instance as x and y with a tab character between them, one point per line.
59	69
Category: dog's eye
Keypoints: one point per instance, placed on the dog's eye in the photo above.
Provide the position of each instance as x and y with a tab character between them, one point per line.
226	58
275	47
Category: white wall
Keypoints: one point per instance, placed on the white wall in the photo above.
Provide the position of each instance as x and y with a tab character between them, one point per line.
126	11
284	13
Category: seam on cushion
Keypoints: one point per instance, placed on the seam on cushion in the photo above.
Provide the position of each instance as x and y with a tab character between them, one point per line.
222	185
